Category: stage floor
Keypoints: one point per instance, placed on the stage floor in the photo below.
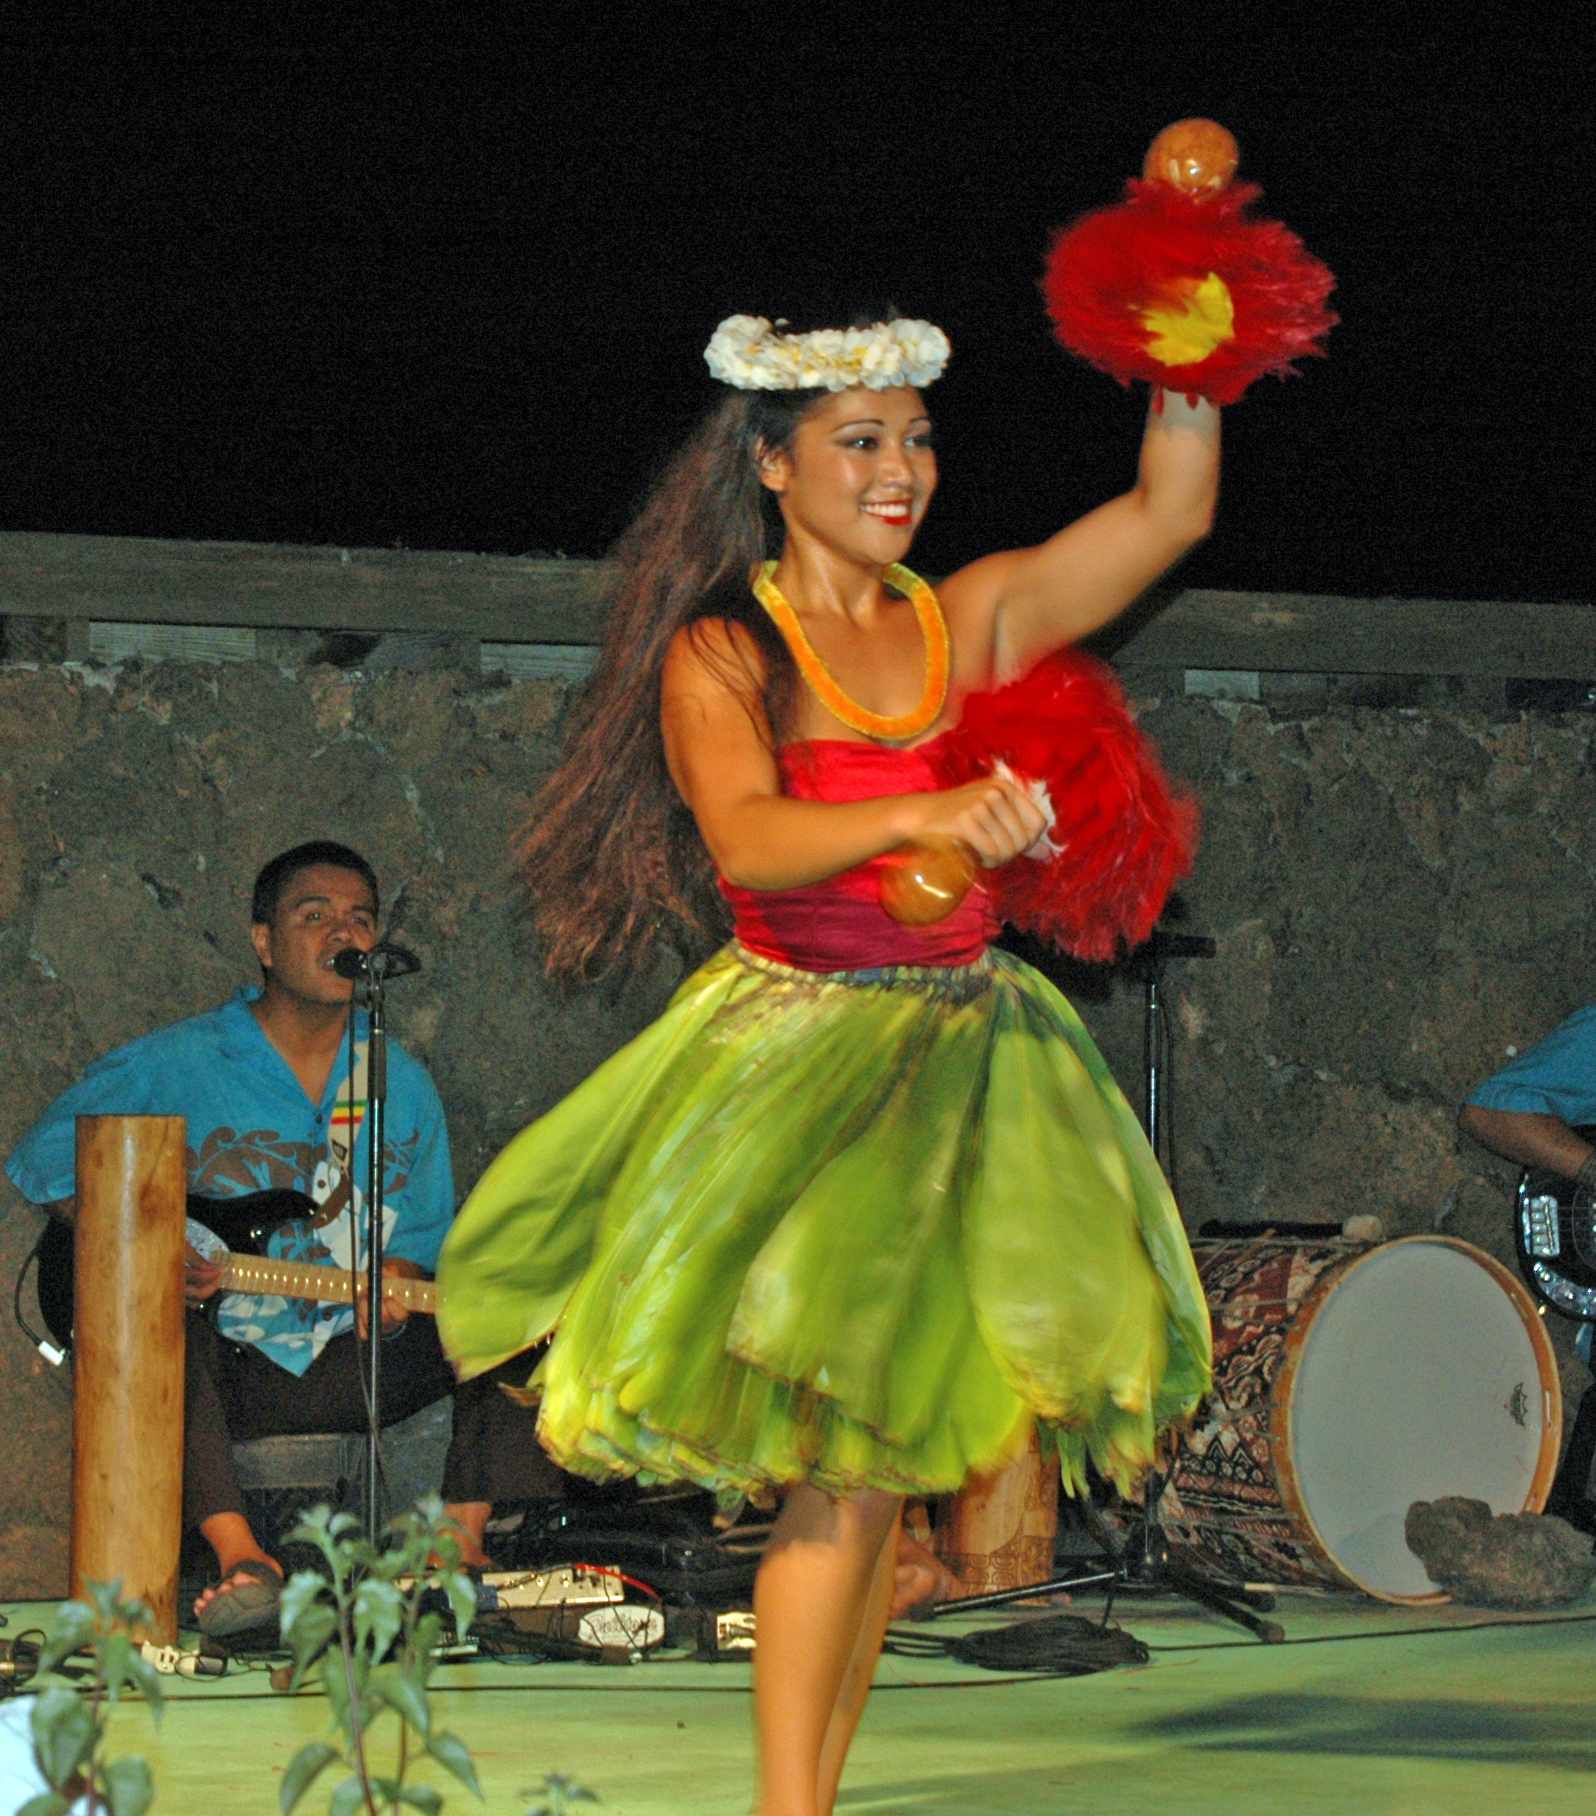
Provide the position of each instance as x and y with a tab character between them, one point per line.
1367	1709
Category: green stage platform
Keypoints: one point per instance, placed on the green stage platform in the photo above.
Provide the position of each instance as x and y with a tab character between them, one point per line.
1367	1709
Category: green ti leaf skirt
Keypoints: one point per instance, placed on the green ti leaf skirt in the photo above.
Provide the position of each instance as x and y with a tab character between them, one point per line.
860	1228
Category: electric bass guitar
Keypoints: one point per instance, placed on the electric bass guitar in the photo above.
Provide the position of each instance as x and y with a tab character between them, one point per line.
1554	1232
235	1234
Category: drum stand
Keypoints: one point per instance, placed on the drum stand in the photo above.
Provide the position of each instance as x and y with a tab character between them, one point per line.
1144	1563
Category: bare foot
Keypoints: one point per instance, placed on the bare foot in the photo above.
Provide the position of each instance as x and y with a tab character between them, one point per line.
468	1521
921	1576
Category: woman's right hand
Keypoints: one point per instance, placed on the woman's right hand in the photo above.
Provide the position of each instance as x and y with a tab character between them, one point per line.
996	818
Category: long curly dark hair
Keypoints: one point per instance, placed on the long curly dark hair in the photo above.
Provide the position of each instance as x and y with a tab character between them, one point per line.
611	854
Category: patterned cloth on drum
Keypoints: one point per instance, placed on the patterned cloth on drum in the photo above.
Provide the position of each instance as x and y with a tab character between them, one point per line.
1223	1501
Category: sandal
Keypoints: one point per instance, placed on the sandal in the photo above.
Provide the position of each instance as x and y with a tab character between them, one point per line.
246	1605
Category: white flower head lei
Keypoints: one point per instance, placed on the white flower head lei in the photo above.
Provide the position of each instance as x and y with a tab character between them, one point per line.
752	354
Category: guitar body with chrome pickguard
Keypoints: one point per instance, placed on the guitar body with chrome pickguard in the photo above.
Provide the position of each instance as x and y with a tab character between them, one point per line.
1554	1233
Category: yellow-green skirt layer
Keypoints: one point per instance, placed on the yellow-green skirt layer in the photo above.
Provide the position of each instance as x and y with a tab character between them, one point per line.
860	1228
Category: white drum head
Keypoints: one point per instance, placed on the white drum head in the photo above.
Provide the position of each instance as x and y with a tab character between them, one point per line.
1419	1377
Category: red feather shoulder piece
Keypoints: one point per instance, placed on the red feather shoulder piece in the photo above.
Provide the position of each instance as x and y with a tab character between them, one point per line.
1187	292
1122	835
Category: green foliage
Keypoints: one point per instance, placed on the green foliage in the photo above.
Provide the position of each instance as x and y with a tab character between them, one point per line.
69	1724
366	1629
561	1792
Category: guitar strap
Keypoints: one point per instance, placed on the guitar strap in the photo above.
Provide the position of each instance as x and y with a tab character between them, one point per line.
343	1131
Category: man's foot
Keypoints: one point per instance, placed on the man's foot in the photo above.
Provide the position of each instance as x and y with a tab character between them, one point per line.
921	1576
246	1598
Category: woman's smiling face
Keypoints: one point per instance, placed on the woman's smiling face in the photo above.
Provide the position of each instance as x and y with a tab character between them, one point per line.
858	473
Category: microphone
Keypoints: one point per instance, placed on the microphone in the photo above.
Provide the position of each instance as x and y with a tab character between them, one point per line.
383	961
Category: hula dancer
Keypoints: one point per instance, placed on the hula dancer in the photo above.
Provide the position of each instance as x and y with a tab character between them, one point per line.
864	1206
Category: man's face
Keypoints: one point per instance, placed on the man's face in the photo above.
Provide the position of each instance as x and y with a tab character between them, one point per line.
322	911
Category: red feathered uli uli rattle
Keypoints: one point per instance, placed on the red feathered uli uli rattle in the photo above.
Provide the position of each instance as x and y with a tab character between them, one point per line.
1178	285
1120	836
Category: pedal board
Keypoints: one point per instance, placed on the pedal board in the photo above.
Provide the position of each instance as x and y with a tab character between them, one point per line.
564	1585
560	1586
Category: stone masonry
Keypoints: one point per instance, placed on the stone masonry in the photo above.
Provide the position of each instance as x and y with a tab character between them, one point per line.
1401	897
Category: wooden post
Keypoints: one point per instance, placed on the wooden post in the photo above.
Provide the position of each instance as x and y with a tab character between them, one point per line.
998	1531
127	1410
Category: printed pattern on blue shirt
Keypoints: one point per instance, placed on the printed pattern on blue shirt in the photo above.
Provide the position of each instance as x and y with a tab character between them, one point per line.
250	1128
1555	1077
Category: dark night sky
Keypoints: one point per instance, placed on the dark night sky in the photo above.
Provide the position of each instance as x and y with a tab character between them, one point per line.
379	285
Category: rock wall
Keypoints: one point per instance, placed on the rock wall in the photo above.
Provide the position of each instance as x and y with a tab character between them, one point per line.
1400	898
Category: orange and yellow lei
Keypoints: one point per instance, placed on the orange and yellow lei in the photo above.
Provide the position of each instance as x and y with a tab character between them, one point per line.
933	627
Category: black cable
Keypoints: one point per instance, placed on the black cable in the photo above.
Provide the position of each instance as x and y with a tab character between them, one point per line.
1063	1645
46	1346
1336	1639
189	1690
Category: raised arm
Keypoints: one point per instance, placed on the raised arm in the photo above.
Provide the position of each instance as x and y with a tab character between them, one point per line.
722	760
1024	603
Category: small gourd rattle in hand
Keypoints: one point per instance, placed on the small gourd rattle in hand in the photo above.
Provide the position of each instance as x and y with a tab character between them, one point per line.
922	883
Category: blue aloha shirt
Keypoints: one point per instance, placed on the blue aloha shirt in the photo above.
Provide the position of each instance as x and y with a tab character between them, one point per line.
1555	1077
250	1128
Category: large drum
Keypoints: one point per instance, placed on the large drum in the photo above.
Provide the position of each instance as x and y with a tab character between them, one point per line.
1350	1382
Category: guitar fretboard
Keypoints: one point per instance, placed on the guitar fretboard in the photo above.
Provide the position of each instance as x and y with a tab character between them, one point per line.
307	1280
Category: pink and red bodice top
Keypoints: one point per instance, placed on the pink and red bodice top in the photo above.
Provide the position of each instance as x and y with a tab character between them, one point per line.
839	924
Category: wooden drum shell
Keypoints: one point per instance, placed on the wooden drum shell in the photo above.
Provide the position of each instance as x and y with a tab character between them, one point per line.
998	1531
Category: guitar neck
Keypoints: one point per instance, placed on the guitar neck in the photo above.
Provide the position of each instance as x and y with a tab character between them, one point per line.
330	1285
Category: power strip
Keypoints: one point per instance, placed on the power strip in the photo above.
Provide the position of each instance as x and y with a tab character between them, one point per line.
172	1661
734	1632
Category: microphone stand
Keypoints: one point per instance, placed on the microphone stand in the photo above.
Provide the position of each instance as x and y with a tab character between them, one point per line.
1147	964
370	972
376	1111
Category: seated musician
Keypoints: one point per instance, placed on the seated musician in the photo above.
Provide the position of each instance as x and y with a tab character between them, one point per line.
266	1086
1532	1110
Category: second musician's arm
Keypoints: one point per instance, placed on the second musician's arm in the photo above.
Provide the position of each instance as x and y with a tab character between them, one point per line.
1531	1137
1024	603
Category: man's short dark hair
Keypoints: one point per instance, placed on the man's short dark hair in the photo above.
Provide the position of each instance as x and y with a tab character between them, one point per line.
281	870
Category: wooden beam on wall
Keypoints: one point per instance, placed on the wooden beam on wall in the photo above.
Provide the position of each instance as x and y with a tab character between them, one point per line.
524	599
1313	634
124	579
